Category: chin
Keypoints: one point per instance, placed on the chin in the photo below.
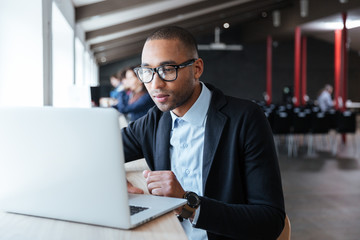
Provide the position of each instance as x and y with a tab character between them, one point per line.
163	108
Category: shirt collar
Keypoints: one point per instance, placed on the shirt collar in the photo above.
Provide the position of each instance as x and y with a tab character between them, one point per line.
196	115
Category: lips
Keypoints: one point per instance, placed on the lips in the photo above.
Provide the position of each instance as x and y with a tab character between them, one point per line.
161	97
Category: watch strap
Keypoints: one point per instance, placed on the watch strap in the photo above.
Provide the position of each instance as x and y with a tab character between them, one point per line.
187	211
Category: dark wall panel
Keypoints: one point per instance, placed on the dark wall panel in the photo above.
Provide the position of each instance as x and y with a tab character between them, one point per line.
243	73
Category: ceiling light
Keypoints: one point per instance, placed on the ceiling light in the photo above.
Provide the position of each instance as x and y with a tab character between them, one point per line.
217	45
340	25
332	25
304	8
103	59
276	18
352	24
226	25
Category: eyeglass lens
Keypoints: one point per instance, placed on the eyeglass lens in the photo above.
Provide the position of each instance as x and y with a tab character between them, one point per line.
165	72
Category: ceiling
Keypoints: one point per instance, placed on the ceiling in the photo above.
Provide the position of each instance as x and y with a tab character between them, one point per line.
117	29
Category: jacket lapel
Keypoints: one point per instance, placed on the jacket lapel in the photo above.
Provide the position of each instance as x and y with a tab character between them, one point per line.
162	152
215	124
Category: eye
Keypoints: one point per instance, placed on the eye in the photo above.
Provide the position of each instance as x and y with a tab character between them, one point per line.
168	69
146	71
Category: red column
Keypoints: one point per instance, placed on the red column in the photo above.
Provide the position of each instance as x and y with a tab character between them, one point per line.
269	70
345	61
297	66
337	67
303	70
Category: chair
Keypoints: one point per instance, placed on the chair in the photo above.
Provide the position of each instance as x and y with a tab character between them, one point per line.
346	124
281	125
320	125
269	113
301	127
332	116
286	232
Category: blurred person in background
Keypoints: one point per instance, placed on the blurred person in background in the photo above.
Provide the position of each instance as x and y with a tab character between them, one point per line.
116	83
134	101
324	99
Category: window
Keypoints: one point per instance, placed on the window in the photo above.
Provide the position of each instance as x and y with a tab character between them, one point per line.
21	58
63	59
79	62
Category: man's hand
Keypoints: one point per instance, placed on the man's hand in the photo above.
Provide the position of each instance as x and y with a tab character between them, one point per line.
132	189
163	183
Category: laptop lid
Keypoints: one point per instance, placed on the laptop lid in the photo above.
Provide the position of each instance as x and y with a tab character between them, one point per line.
67	163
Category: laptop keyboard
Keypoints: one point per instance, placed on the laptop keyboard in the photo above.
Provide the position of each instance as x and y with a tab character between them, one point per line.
136	209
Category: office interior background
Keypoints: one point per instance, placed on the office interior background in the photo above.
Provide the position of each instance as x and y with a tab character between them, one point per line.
53	51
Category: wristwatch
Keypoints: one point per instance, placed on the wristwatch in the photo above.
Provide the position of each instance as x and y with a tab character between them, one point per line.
193	202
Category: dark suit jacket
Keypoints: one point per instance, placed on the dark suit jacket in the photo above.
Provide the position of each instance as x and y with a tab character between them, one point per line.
243	196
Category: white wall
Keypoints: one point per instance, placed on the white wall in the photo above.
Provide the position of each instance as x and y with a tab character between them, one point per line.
21	53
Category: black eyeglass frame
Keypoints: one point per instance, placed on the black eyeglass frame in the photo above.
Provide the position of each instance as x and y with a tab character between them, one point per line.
156	70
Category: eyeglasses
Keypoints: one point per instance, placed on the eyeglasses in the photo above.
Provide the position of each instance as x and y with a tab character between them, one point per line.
167	73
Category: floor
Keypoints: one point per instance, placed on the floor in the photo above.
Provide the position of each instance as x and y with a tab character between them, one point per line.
322	190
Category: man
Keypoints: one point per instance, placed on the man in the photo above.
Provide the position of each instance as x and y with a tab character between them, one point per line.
324	100
214	150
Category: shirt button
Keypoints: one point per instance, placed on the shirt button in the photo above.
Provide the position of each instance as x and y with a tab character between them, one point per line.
184	145
187	171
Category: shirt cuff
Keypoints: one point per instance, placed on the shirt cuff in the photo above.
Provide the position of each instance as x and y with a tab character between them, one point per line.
197	213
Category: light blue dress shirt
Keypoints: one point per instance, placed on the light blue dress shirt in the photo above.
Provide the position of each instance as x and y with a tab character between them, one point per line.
325	102
186	152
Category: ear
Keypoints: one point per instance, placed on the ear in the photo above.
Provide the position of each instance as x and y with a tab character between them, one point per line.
199	68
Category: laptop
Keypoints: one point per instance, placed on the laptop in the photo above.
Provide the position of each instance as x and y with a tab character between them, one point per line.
68	164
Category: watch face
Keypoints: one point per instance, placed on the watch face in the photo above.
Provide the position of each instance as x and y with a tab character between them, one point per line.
193	200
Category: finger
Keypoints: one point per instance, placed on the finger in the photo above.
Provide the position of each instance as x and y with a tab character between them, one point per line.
135	190
132	189
154	173
154	176
157	192
153	185
146	173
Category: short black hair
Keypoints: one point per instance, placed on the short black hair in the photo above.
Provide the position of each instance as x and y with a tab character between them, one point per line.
175	32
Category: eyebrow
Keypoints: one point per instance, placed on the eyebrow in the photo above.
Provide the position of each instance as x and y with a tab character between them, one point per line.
161	64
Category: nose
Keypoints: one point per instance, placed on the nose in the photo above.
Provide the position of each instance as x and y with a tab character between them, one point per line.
157	82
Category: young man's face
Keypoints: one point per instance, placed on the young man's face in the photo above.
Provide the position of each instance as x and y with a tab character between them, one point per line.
178	95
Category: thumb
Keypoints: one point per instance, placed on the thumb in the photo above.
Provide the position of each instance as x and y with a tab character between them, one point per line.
132	189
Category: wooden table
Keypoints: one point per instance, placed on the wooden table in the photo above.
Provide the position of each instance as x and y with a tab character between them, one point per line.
20	227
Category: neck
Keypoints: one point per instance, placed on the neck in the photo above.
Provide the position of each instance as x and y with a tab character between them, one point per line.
181	110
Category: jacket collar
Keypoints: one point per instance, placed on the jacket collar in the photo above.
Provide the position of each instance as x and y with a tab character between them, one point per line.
214	127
